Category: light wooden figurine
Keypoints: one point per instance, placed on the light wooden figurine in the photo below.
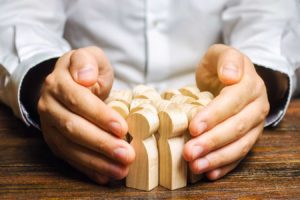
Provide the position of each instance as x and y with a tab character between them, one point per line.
191	110
145	92
137	102
169	114
168	94
143	173
172	167
191	91
124	96
120	107
202	100
180	99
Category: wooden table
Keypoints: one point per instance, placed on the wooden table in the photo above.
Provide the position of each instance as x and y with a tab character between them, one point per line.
28	170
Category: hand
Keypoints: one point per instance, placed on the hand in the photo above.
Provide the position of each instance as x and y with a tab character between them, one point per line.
225	131
76	124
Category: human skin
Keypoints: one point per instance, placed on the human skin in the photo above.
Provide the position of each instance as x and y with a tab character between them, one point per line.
72	116
222	133
226	130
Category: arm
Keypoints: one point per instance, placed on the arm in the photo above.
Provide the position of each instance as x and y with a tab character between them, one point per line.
258	29
226	130
23	29
75	122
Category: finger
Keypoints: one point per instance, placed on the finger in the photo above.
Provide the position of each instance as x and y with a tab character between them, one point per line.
84	67
90	67
228	154
93	175
230	66
228	131
91	136
82	102
223	61
229	102
222	171
75	153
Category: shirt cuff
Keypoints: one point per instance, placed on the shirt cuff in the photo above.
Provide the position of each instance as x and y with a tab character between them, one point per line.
16	81
275	118
279	109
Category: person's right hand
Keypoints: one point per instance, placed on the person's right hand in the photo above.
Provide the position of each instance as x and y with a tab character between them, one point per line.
76	124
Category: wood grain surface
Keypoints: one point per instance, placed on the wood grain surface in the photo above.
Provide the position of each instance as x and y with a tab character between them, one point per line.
28	170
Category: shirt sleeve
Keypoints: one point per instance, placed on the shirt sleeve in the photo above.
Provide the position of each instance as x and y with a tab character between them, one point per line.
258	29
30	32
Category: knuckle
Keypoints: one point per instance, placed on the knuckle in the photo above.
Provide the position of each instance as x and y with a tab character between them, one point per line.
240	128
50	81
210	143
245	148
42	107
69	125
72	101
213	160
100	146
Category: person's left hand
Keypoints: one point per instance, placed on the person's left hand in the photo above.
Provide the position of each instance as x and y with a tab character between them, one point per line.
225	131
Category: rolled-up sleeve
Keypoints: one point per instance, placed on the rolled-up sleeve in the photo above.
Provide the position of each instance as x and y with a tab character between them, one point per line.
258	29
30	32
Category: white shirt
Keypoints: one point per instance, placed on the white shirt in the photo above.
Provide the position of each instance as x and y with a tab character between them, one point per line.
155	42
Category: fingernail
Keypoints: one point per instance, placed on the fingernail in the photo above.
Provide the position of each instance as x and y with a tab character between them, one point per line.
116	128
121	153
85	72
202	164
197	150
230	70
201	127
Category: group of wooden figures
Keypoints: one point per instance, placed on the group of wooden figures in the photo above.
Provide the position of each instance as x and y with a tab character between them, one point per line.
158	126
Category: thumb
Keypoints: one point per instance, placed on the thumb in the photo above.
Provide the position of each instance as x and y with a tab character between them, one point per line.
230	66
83	68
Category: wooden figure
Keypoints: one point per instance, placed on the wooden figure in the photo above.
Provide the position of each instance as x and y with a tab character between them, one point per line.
204	101
144	106
162	104
206	94
180	99
120	95
191	91
172	167
190	111
145	92
139	89
137	102
120	107
143	172
149	94
168	94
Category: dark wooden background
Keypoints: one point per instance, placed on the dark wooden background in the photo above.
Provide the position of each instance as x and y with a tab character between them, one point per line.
28	170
